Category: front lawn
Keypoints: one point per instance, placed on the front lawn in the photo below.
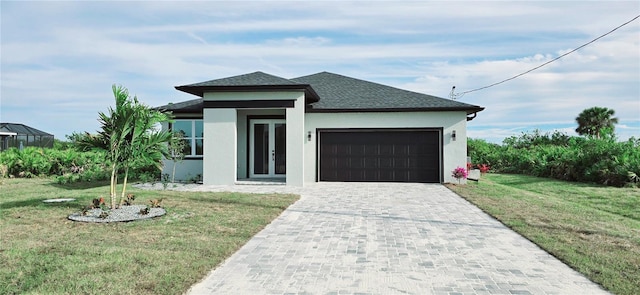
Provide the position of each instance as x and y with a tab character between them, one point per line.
594	229
42	252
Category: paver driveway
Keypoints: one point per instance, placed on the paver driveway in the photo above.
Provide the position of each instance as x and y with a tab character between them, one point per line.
387	238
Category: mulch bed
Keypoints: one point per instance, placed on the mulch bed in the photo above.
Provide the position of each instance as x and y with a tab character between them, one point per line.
122	214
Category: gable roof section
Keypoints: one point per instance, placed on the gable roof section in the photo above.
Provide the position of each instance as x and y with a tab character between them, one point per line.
256	81
345	94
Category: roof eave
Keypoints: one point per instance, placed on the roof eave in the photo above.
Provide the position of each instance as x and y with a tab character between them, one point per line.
200	90
387	110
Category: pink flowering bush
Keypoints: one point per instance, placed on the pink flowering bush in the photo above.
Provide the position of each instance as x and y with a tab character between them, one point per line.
483	168
459	173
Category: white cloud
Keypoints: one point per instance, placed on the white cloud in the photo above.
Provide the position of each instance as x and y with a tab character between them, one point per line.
66	55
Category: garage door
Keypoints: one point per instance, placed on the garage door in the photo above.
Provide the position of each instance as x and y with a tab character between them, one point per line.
380	155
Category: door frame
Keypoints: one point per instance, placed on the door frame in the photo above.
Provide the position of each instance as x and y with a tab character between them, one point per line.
271	121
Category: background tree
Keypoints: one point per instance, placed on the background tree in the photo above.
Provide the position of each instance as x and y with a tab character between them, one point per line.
176	150
595	121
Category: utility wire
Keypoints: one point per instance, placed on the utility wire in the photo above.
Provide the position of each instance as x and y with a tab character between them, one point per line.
460	94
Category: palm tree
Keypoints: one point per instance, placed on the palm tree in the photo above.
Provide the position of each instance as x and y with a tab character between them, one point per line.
128	134
116	124
593	121
144	143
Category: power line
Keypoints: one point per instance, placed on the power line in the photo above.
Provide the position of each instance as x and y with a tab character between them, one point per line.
460	94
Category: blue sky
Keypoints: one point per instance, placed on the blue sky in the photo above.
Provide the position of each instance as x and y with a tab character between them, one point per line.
58	59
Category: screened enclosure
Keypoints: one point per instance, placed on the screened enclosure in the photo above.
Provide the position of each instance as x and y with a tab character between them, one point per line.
20	136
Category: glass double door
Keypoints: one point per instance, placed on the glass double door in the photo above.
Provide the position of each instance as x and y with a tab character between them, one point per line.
268	148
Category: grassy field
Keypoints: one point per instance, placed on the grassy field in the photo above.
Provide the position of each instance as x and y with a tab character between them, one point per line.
41	252
594	229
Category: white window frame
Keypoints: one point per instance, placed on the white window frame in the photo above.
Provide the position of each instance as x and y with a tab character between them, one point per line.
193	138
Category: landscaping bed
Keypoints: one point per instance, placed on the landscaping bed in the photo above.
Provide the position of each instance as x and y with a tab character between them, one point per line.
43	252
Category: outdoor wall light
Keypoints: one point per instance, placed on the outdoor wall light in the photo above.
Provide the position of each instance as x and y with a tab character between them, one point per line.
309	136
453	135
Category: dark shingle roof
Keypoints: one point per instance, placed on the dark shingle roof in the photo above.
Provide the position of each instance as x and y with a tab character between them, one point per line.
253	81
326	92
22	129
341	93
189	106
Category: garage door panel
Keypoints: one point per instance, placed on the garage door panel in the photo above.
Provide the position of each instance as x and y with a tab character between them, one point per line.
343	149
371	149
343	163
370	162
396	156
386	150
357	162
385	162
401	163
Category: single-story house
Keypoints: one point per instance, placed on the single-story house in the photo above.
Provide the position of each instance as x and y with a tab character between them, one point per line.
320	127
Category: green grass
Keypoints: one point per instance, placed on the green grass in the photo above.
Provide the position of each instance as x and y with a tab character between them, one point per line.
594	229
42	252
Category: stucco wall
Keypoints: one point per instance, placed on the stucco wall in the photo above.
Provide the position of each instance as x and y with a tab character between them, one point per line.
295	143
187	170
225	138
454	152
254	95
220	141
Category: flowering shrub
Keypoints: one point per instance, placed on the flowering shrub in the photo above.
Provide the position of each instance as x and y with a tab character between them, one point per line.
483	168
459	173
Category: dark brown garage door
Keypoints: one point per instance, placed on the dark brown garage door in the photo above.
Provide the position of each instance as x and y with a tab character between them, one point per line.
379	155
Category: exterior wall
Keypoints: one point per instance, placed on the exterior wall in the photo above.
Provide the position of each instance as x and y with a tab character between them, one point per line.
220	140
454	152
254	95
225	139
295	143
187	170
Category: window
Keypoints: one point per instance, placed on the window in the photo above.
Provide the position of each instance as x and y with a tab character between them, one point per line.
192	131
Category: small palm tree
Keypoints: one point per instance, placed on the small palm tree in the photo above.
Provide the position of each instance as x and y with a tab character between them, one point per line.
144	143
594	121
128	134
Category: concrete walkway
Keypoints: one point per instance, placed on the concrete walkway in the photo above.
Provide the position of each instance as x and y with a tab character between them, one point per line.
369	238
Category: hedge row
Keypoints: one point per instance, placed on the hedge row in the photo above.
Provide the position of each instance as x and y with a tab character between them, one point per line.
562	157
68	165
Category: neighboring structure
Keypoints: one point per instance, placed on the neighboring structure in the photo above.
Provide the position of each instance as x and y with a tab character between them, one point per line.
321	127
20	136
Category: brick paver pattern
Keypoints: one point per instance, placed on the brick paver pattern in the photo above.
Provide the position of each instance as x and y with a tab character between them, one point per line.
387	238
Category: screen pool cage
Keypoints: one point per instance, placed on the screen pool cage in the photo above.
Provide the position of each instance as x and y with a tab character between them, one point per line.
21	136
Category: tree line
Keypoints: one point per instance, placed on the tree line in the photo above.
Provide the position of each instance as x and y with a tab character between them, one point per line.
595	157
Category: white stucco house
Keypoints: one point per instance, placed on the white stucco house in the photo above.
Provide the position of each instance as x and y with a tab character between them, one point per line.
320	127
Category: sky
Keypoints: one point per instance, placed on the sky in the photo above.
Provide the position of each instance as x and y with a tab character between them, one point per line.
59	59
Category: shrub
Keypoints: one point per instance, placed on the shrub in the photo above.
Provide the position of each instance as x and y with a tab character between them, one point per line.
67	165
459	173
563	157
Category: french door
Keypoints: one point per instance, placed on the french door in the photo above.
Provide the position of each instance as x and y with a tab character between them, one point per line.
267	144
